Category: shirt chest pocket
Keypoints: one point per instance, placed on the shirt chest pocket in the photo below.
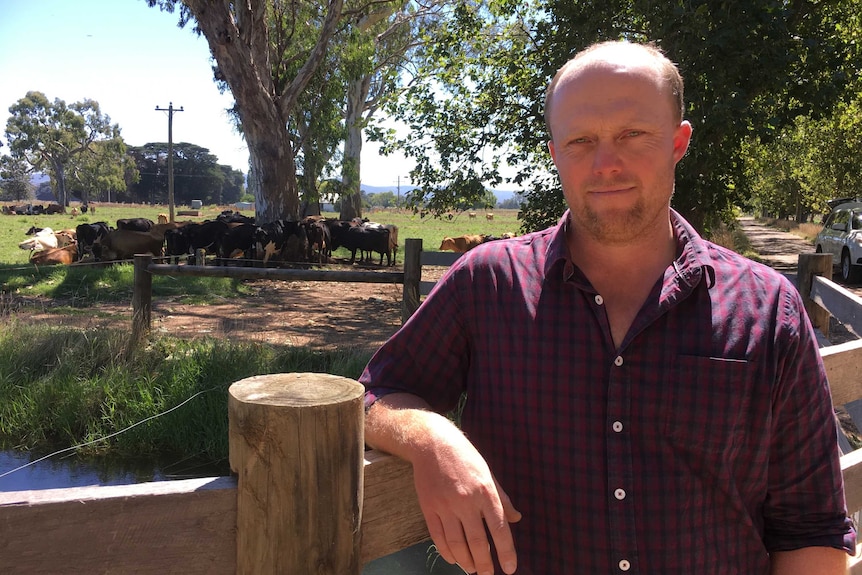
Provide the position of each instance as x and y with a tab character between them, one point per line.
706	403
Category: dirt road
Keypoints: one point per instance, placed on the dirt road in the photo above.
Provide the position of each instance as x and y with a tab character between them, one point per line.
778	249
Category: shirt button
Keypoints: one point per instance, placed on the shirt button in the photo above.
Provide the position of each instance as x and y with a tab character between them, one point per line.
599	300
618	361
617	426
620	494
625	565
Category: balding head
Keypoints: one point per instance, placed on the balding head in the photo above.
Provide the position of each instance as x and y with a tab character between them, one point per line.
623	53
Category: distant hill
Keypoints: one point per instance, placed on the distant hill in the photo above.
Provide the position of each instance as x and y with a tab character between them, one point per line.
502	195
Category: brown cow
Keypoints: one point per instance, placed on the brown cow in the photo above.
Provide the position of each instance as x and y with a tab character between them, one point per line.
65	255
66	237
461	244
124	244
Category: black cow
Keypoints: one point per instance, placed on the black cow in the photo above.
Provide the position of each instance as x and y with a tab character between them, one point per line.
135	224
194	236
232	217
237	239
87	234
318	235
176	244
283	239
360	238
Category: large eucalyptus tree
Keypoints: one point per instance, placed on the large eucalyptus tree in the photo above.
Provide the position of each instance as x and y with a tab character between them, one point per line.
48	136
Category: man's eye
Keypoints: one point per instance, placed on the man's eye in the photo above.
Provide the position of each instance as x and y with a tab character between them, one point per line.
633	133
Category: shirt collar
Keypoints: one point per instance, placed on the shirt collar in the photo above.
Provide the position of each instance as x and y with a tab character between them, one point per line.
692	263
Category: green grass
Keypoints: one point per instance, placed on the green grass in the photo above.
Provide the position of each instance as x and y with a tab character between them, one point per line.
86	285
432	231
61	387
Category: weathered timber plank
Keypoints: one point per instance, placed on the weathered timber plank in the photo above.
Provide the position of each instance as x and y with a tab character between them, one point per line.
391	517
851	468
843	304
277	273
184	526
162	527
842	363
439	258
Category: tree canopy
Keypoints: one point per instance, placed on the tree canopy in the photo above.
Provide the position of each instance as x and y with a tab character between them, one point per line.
53	137
197	175
750	71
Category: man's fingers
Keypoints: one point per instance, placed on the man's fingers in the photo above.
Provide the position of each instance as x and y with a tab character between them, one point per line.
438	536
480	549
453	534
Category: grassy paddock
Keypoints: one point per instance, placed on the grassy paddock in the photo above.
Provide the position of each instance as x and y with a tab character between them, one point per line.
61	387
87	285
432	231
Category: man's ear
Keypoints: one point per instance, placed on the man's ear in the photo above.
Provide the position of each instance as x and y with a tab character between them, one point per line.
681	140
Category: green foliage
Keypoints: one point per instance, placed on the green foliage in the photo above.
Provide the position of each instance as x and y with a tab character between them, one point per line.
61	387
15	179
749	71
50	136
807	163
197	176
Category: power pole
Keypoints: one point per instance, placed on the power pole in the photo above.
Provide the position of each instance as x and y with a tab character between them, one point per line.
170	110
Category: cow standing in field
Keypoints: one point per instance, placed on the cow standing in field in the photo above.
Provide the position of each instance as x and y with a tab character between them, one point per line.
282	239
136	224
237	242
318	237
461	244
124	244
357	237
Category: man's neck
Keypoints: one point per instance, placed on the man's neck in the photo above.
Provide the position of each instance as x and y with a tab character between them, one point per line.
623	275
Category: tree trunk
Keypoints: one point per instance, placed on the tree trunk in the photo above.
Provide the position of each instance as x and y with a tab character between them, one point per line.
60	177
273	175
351	199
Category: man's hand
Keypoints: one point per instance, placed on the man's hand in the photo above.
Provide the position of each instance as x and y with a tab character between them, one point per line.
456	490
459	496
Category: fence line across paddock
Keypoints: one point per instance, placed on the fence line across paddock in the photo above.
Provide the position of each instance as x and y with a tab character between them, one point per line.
410	278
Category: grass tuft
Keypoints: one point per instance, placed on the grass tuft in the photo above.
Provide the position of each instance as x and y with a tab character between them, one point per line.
61	387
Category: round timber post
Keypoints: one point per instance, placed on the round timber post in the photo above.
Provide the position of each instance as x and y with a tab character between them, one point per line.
142	298
808	266
412	277
297	446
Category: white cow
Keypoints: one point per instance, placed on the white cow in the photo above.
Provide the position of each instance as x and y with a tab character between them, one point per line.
43	239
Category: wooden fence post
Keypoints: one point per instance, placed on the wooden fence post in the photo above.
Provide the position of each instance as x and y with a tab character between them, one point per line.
412	277
810	265
142	298
297	445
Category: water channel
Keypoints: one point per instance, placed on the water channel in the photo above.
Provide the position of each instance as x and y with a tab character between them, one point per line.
71	471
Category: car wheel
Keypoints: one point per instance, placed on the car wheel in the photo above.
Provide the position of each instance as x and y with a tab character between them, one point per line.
849	272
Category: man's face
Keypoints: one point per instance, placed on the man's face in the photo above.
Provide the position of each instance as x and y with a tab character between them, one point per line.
615	143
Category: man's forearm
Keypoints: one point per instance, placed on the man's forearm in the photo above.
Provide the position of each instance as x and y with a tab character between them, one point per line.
403	424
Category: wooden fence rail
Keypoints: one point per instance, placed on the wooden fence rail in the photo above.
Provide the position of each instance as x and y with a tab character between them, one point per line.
411	278
304	497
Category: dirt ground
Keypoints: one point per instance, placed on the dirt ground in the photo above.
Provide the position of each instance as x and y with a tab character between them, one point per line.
321	315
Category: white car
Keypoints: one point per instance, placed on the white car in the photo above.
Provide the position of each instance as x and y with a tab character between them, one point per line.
842	237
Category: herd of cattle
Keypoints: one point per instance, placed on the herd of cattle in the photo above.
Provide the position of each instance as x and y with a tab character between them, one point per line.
231	235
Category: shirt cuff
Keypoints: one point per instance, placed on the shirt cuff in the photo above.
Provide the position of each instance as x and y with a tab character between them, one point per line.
375	393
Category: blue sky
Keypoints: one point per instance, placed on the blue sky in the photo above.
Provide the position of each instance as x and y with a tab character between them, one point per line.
130	58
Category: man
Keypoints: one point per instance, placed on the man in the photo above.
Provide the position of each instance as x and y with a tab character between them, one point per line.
651	402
